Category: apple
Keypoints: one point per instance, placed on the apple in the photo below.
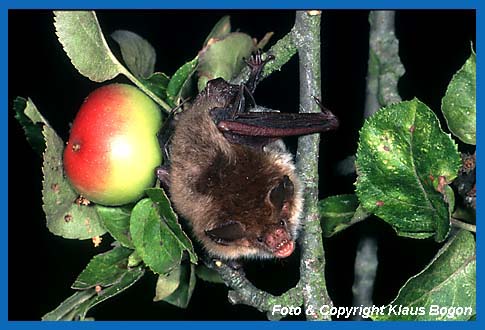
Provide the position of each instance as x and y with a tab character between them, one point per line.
113	148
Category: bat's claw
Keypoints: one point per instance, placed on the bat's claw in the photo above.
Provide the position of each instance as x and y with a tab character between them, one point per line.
256	62
331	118
319	103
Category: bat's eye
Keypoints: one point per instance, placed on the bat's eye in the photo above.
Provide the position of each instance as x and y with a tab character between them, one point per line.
259	239
282	223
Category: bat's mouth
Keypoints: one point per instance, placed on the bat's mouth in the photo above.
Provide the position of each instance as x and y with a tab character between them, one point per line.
284	249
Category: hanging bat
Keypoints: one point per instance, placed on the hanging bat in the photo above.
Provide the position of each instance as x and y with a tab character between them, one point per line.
230	175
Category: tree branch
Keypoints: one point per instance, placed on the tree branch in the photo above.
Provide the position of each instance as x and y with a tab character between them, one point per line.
244	292
384	66
312	265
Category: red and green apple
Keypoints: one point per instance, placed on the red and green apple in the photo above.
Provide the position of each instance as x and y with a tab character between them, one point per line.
113	148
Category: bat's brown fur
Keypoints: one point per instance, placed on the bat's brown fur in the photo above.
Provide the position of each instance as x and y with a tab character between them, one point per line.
215	182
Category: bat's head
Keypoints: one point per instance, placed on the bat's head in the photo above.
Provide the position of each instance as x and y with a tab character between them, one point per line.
258	216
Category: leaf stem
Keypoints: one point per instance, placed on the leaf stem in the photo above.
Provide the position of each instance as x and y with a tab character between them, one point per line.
463	225
165	106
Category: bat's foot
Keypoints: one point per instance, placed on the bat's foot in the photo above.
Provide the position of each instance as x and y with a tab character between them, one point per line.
256	64
245	99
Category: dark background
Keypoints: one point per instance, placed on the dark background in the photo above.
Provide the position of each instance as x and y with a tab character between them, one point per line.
433	46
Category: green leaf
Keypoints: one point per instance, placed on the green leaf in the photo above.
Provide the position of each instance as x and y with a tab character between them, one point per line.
167	284
402	153
138	54
76	306
180	81
459	102
154	241
181	296
224	58
31	120
448	282
220	30
117	221
104	270
64	216
167	214
83	41
339	212
207	274
158	83
129	278
66	310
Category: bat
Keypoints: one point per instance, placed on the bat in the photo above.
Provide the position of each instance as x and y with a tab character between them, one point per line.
230	175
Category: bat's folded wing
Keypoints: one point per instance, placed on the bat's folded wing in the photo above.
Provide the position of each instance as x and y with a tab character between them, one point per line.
276	124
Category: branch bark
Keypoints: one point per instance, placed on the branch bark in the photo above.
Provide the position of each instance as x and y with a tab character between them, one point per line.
312	265
384	66
244	292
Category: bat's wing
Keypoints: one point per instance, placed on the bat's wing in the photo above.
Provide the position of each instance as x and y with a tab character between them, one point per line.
275	124
261	128
241	124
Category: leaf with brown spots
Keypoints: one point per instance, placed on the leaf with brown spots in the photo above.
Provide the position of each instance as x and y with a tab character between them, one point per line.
65	217
104	269
405	162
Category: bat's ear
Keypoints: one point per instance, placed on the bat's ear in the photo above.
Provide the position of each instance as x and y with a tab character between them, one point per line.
226	233
282	192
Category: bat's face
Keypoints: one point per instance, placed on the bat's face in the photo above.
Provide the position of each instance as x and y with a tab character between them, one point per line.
260	220
271	240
